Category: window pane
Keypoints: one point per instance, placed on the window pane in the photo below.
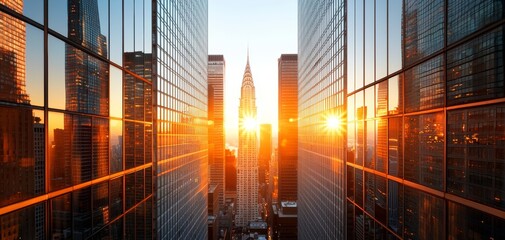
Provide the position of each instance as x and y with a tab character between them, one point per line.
380	199
395	98
81	213
32	9
35	65
359	44
370	144
138	13
22	152
424	149
476	154
369	103
351	47
381	39
21	62
370	193
100	205
128	17
395	152
71	151
116	146
116	197
475	69
381	98
116	92
359	186
100	147
56	73
424	215
382	144
116	32
424	28
58	16
471	223
395	35
466	17
425	86
26	223
395	206
369	41
77	81
61	217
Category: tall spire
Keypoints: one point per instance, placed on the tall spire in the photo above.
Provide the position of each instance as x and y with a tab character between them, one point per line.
247	54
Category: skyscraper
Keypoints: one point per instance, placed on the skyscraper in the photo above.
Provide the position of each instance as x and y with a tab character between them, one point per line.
321	105
216	77
423	85
265	153
247	162
288	127
107	131
181	114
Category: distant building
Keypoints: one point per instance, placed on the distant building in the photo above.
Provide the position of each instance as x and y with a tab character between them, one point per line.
265	153
288	127
216	78
247	162
230	174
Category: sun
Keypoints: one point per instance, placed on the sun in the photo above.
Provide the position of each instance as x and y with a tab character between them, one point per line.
334	123
249	124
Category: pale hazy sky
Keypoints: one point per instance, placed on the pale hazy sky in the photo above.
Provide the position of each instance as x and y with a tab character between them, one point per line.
269	28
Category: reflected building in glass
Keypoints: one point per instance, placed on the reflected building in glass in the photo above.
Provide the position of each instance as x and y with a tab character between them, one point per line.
88	128
424	141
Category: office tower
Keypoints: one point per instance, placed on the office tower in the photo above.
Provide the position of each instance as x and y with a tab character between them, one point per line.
182	157
247	161
216	73
424	96
321	92
288	127
231	173
265	153
83	142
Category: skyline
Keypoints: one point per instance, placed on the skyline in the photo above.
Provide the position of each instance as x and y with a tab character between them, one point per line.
235	27
389	118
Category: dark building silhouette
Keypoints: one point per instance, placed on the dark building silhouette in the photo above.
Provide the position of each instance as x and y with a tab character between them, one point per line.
265	153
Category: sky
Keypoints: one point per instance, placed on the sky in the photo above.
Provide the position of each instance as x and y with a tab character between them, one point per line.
269	29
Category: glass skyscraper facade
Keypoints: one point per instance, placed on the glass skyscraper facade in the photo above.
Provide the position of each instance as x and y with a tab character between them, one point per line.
321	97
102	122
424	138
182	126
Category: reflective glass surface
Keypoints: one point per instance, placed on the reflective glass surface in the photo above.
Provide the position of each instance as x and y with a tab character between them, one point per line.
425	86
476	154
424	29
475	69
466	17
424	149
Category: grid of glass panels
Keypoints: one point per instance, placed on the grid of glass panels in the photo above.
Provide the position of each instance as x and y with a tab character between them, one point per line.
425	136
321	92
182	127
65	99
